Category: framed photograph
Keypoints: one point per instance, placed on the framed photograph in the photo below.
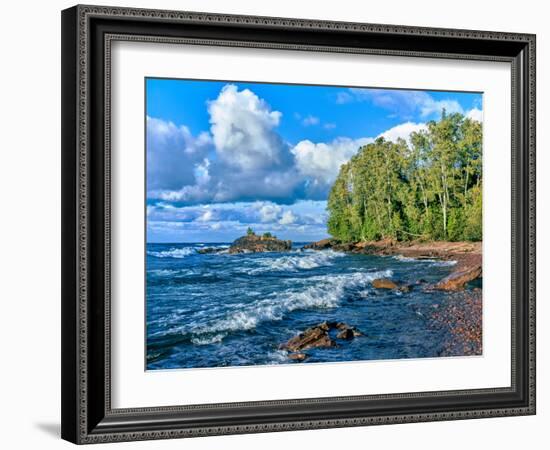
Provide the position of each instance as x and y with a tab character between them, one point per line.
280	224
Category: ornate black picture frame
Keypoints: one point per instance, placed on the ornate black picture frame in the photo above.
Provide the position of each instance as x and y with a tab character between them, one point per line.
87	34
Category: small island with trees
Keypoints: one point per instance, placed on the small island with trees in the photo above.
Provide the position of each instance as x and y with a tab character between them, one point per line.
253	243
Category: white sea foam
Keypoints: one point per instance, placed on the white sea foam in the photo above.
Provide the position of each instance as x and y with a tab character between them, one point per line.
173	253
326	291
435	262
171	272
205	340
293	263
278	357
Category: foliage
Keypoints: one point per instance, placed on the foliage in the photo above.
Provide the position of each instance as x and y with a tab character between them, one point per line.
427	188
250	232
268	235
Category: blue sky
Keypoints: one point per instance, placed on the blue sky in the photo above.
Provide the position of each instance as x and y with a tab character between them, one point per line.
223	156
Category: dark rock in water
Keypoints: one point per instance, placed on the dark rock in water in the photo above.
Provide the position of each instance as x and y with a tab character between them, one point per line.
318	337
256	244
310	338
344	327
346	334
207	250
456	280
298	356
319	245
385	283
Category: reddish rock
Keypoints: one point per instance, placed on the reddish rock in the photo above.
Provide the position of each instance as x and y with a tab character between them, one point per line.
320	245
459	278
384	283
318	337
311	338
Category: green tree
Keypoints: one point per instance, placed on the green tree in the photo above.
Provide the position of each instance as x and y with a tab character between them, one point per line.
426	188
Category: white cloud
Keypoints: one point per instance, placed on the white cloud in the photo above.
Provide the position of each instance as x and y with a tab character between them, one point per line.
430	106
206	216
344	97
172	152
402	131
321	161
403	103
242	127
329	126
269	212
287	218
475	114
310	120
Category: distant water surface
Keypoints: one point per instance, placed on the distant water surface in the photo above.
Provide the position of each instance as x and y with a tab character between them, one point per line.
213	310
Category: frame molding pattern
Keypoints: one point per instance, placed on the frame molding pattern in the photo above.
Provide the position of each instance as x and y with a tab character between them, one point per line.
84	14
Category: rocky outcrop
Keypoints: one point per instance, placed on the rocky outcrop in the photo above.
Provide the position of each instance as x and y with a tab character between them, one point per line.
255	244
318	336
313	337
319	245
385	283
457	280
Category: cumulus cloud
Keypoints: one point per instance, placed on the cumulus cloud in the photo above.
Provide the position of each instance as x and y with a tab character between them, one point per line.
320	162
475	114
269	212
206	216
172	153
243	130
430	107
244	158
287	218
402	131
226	221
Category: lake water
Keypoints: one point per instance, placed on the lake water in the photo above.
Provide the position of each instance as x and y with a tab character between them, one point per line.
214	310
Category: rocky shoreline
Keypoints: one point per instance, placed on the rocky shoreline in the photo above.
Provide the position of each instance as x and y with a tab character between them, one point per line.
466	254
462	318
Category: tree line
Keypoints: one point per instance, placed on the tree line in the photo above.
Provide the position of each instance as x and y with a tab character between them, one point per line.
428	187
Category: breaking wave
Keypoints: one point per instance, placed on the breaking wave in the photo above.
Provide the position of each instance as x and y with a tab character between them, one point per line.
326	292
301	261
173	253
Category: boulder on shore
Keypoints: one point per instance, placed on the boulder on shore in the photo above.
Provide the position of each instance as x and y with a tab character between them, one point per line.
256	244
459	278
385	283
